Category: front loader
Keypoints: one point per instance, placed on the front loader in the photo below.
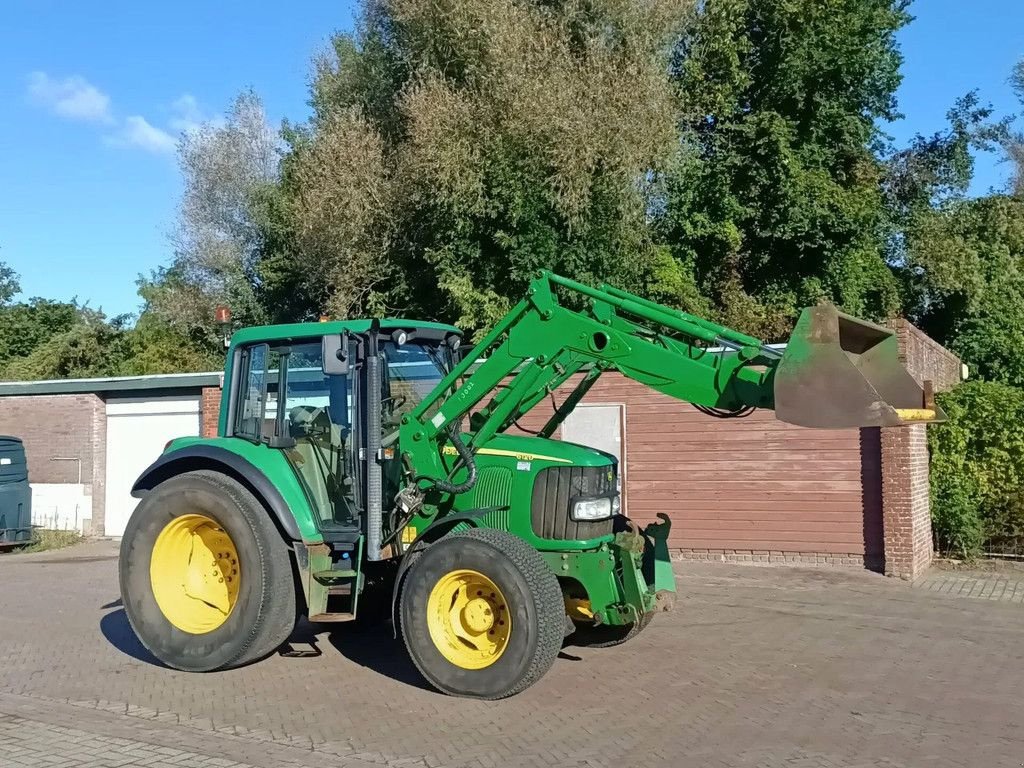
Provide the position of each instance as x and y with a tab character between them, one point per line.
367	465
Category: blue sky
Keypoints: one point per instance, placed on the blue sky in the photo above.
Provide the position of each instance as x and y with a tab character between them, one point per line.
95	94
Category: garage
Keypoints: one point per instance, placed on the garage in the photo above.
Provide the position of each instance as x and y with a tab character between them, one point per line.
87	440
138	428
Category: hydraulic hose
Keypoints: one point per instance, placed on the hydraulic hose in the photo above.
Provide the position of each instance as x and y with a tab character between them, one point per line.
466	456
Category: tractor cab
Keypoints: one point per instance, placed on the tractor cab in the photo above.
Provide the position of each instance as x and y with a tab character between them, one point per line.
308	395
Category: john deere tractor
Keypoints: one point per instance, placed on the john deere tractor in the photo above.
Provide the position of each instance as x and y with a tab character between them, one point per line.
367	465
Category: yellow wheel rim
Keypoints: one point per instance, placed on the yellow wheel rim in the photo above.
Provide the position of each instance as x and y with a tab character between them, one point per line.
468	619
195	573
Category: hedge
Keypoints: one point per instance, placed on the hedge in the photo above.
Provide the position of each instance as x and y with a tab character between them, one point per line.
977	468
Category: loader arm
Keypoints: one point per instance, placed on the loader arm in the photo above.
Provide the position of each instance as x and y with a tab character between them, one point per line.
541	343
839	371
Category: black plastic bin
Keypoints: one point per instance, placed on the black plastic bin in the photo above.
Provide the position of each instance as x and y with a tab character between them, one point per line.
15	494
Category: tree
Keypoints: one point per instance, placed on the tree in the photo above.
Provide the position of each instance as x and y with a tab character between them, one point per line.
968	257
27	325
458	146
69	341
9	285
779	203
224	168
1014	142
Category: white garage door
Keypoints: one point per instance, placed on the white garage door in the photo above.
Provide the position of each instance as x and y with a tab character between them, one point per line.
137	430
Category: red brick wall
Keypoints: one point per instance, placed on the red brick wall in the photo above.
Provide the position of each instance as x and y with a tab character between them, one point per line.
209	411
752	489
925	358
59	427
905	487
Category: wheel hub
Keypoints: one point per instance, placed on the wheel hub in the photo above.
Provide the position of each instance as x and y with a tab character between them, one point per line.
195	573
478	616
468	619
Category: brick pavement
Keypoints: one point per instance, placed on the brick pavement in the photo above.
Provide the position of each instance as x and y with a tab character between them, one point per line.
757	667
1006	585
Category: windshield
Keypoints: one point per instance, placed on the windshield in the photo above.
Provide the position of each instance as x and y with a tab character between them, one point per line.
414	369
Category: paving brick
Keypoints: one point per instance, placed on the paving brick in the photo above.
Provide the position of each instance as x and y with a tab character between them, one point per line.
765	667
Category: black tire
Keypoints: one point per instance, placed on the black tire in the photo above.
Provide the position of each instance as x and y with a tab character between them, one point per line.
534	601
605	636
265	612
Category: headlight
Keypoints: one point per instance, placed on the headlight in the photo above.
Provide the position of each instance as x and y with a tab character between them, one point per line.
592	509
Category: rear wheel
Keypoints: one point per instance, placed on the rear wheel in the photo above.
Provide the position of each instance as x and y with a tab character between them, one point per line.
482	614
206	580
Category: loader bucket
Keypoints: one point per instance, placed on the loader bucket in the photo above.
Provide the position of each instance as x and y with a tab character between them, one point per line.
839	372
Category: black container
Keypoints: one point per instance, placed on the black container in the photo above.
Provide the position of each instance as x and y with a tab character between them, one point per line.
15	493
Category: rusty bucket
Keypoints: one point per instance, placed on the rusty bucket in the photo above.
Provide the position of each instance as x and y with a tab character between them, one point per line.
839	372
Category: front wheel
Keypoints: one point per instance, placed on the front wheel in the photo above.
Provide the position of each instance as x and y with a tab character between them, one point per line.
482	614
607	635
206	580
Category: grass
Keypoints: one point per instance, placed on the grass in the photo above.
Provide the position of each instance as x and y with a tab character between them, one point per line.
44	540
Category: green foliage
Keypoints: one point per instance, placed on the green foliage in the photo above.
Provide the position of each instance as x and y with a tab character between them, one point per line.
44	540
25	326
9	285
977	467
42	339
91	347
969	259
778	203
459	146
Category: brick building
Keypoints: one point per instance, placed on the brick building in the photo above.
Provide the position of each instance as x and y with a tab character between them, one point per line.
87	439
749	489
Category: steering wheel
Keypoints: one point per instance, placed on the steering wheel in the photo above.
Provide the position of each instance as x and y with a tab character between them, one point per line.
310	421
396	401
396	404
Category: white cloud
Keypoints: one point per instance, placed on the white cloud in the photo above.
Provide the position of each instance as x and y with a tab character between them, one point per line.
136	131
187	117
72	97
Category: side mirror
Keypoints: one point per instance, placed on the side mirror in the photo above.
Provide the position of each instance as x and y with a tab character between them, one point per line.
335	354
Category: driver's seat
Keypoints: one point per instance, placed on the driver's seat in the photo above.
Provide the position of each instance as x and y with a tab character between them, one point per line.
320	462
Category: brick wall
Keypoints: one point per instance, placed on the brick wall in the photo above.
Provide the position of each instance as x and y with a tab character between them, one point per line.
209	411
59	427
925	358
753	489
905	487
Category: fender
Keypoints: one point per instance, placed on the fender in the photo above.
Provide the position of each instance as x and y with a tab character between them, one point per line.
203	456
440	525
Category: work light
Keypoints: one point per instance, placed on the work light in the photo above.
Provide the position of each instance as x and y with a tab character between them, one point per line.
600	508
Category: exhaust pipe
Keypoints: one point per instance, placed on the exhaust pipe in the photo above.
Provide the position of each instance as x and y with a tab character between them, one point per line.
839	372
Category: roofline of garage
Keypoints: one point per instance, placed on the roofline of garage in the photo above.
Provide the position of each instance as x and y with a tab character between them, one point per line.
112	384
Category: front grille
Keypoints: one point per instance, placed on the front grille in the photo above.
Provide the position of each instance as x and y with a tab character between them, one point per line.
553	491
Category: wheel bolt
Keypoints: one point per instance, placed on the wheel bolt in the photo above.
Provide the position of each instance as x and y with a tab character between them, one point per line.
479	593
501	623
492	594
220	580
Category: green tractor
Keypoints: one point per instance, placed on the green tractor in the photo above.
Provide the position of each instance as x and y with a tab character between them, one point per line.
367	466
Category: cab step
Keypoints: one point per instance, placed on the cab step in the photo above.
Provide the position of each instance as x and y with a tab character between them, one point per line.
334	576
325	618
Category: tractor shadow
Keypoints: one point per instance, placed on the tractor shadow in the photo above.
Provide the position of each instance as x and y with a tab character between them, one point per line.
370	645
374	646
118	632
